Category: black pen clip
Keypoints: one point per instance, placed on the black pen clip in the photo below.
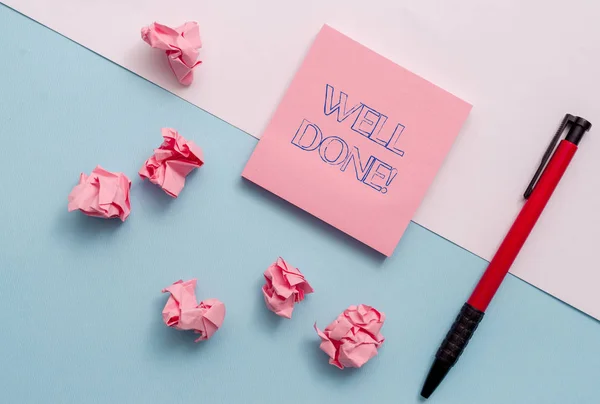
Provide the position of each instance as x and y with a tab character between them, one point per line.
568	119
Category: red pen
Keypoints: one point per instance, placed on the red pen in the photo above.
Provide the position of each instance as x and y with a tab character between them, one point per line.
537	195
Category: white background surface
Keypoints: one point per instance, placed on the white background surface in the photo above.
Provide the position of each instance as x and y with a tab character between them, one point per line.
522	63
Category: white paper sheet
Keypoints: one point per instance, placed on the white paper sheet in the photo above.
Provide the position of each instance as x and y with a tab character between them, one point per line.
522	63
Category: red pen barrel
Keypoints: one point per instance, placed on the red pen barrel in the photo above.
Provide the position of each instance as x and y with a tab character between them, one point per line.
537	194
518	233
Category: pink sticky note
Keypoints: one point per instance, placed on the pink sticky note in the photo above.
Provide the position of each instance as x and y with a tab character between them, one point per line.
284	287
180	44
353	338
172	162
102	194
356	140
183	313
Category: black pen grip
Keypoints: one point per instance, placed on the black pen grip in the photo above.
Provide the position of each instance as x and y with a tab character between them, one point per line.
459	335
452	347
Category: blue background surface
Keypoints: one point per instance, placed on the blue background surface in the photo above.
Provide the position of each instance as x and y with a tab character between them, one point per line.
80	297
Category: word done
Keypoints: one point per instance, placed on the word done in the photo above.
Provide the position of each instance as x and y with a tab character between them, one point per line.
334	151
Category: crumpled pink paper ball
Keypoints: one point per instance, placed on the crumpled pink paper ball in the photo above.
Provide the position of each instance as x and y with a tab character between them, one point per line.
180	44
284	287
172	162
354	337
182	312
102	194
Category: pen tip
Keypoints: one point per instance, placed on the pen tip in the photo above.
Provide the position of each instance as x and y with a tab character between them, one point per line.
436	374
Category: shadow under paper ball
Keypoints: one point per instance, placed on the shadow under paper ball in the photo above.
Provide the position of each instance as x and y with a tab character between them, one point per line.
152	196
81	228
